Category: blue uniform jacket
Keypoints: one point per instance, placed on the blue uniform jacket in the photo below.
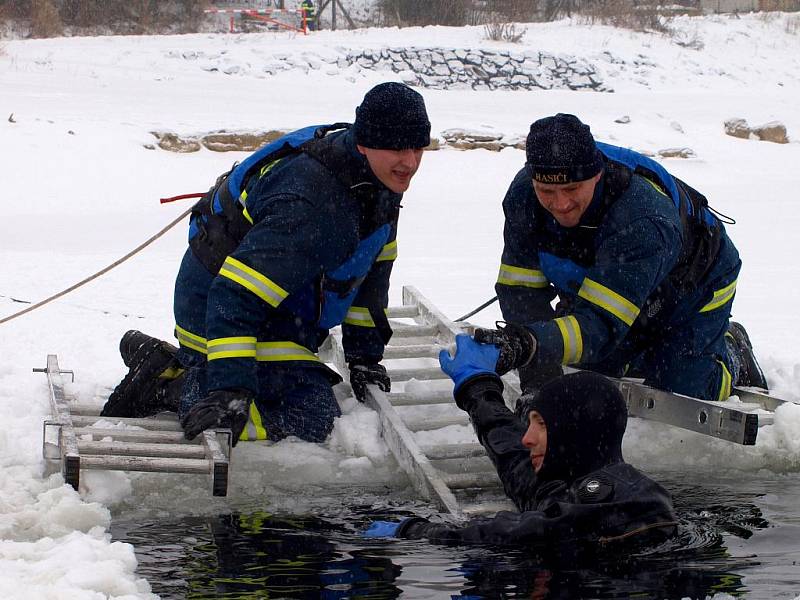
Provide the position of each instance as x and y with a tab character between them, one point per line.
629	266
319	253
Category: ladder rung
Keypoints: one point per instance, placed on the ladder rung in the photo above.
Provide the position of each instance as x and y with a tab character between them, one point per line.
462	481
431	423
412	351
469	464
406	311
420	374
415	331
487	508
431	397
133	434
445	451
142	449
146	463
149	424
83	409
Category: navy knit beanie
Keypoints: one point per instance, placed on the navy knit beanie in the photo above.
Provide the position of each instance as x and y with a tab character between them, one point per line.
585	415
561	149
392	116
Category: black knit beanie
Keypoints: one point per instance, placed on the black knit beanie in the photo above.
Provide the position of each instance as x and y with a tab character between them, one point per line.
561	149
392	116
585	415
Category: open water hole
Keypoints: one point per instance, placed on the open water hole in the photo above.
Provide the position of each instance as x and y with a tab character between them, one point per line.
740	537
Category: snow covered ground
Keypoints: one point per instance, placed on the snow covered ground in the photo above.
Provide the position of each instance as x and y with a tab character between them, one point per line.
80	189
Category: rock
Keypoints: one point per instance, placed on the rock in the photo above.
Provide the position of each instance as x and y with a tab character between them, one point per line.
224	141
435	144
473	135
677	153
737	128
623	120
771	132
174	143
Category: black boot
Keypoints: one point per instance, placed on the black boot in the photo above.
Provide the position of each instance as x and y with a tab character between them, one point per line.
152	382
740	353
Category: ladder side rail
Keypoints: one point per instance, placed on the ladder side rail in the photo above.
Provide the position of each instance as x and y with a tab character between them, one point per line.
765	401
217	454
702	416
400	440
408	454
68	443
430	314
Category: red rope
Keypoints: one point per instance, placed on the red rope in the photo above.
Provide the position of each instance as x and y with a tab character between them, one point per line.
182	197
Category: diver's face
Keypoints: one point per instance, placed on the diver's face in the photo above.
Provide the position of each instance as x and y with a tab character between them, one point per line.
535	439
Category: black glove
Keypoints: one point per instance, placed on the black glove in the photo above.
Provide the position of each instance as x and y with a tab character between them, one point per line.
221	408
361	375
516	343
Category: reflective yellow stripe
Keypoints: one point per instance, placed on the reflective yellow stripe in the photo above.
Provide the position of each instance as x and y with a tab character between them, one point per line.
389	252
278	351
725	386
510	275
571	336
721	297
263	287
268	167
232	347
171	373
247	215
190	340
254	430
359	316
656	186
609	300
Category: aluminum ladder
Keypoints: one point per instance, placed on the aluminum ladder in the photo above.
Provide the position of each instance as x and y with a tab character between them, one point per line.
153	444
460	478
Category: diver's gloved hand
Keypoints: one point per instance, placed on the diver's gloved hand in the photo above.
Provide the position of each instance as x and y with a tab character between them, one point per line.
363	374
471	360
378	529
221	408
516	343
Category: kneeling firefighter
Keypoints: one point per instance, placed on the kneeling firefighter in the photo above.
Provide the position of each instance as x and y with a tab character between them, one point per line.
298	238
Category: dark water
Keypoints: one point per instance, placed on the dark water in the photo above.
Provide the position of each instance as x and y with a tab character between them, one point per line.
736	540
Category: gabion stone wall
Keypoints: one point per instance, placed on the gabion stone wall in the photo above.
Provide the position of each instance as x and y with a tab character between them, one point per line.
444	68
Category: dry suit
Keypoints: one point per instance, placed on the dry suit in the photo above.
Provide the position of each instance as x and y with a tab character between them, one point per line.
584	495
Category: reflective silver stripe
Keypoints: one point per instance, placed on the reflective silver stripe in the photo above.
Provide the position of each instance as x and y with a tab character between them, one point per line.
234	347
572	339
190	340
510	275
721	297
606	298
263	287
279	351
359	316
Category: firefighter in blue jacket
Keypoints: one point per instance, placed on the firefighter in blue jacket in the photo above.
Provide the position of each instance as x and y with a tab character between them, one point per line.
308	244
559	460
644	272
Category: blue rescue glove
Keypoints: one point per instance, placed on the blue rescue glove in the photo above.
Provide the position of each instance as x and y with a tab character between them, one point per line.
471	359
381	529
